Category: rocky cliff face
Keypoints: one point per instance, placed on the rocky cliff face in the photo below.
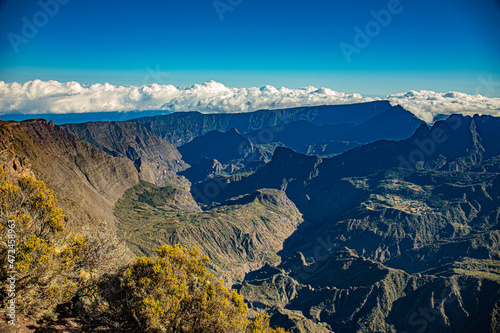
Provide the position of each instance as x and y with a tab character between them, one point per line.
348	293
86	180
156	160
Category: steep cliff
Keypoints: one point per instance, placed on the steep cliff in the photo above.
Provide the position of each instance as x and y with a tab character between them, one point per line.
156	160
87	181
182	127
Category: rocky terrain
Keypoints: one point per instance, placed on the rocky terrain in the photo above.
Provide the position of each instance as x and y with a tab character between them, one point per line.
419	205
347	293
394	228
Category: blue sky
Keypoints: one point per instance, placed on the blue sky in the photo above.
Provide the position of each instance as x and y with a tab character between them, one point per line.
433	45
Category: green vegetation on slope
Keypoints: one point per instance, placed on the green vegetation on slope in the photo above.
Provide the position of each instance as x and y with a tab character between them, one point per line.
238	236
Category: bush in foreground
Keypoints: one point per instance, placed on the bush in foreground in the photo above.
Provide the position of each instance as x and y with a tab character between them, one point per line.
36	243
174	292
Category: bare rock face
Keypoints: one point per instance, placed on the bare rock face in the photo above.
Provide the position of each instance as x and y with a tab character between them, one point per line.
15	165
159	173
87	181
156	160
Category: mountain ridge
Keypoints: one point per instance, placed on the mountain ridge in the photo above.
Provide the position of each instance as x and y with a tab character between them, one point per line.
86	180
181	127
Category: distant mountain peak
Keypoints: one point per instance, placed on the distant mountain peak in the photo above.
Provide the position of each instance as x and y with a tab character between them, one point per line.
422	130
292	157
232	131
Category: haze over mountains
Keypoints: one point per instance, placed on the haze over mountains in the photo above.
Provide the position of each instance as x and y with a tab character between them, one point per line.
346	218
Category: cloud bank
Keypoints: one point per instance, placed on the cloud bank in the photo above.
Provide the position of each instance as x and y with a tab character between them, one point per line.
39	97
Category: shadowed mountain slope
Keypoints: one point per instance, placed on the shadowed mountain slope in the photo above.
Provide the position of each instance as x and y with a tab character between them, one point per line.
305	137
457	144
348	293
156	160
224	147
364	199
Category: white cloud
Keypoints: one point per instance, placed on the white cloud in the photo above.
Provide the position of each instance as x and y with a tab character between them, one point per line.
427	104
36	97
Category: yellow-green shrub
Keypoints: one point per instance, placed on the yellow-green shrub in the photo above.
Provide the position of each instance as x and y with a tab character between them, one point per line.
173	291
169	292
48	255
